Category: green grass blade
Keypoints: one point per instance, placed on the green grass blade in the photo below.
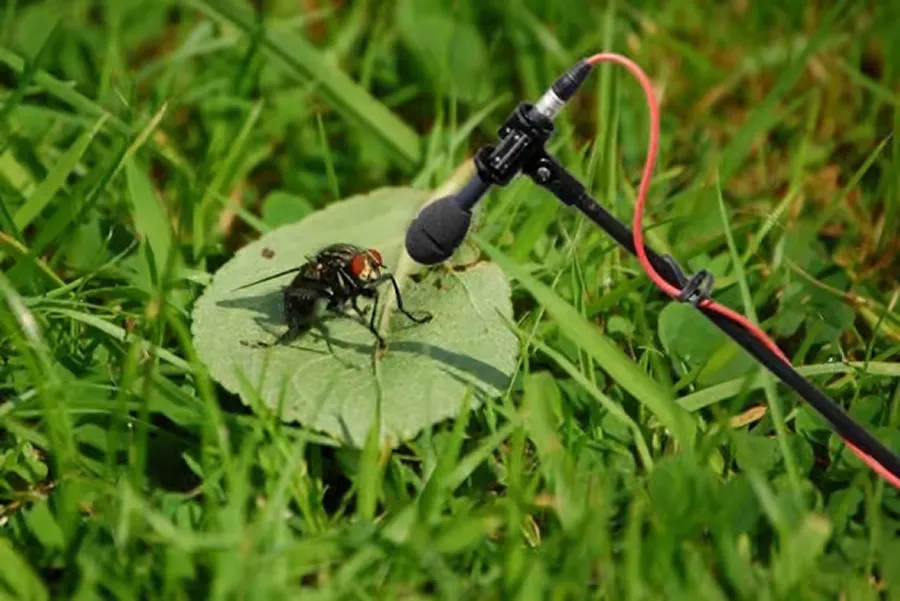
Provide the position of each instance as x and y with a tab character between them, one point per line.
344	94
62	91
607	403
224	174
28	74
121	335
763	116
149	217
18	577
720	392
768	380
56	178
609	357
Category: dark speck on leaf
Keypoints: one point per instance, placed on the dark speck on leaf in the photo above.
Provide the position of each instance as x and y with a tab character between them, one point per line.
268	253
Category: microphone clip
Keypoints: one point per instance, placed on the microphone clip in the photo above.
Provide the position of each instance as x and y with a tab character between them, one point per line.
521	149
522	139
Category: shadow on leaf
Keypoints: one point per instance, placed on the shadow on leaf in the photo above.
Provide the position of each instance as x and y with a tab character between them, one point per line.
269	306
270	312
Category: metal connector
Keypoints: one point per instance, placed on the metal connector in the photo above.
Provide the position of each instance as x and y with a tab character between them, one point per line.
549	105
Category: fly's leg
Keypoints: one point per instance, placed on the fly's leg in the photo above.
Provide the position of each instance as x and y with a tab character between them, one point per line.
360	311
426	316
372	329
337	307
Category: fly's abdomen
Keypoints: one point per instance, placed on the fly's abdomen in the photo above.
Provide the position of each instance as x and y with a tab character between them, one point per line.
299	306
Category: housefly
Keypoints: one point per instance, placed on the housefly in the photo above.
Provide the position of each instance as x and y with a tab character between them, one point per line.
339	273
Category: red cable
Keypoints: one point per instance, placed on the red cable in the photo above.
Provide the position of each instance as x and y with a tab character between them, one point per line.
707	303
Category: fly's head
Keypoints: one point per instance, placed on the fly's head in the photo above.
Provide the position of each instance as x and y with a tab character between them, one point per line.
366	266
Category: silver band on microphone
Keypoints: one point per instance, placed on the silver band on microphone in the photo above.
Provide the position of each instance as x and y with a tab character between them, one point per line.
549	105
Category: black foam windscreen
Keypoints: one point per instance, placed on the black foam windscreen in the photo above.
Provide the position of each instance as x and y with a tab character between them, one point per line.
437	231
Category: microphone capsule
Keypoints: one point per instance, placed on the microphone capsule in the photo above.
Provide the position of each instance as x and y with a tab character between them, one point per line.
439	229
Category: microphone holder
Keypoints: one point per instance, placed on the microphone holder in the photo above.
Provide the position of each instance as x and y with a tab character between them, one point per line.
521	149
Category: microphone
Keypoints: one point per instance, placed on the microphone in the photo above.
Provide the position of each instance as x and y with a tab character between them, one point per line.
439	229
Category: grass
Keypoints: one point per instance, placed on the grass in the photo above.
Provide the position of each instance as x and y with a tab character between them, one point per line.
638	454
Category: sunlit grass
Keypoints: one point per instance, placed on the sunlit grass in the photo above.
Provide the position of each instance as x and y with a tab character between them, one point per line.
636	454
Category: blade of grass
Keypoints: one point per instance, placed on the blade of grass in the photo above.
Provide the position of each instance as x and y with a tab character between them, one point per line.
883	93
21	253
608	356
763	116
329	161
768	381
56	178
71	212
142	137
223	174
372	462
720	392
607	403
63	91
22	327
344	94
18	576
434	491
840	204
149	217
120	335
8	20
31	68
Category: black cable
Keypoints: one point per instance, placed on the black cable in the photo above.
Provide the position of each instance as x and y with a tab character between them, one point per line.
834	414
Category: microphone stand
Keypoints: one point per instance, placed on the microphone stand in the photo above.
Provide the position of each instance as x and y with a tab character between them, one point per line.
521	149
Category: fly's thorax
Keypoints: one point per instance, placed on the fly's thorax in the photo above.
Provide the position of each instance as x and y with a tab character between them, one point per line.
338	254
309	271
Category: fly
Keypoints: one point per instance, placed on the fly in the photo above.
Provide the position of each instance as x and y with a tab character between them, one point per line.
339	273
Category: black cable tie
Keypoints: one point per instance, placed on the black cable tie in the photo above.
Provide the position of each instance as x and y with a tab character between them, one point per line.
677	270
693	289
698	288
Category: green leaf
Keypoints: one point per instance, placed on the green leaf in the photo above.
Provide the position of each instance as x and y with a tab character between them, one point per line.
620	325
809	422
802	246
826	316
754	452
687	335
280	208
799	553
85	246
43	525
422	377
842	505
18	576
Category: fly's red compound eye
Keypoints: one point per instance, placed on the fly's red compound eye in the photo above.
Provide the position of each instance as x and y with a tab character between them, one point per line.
358	264
377	256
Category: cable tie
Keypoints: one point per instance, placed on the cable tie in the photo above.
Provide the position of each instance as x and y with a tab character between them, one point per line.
694	289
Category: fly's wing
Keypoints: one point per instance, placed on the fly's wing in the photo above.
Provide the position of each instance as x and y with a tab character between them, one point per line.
271	277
